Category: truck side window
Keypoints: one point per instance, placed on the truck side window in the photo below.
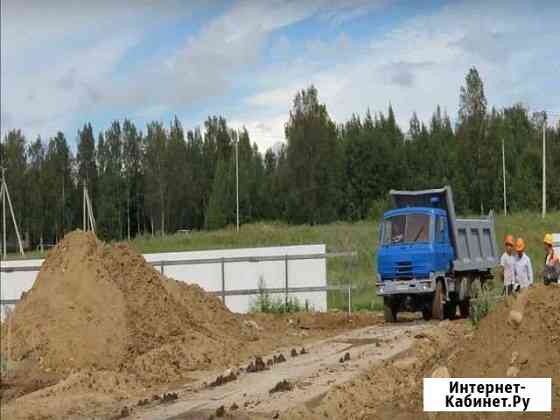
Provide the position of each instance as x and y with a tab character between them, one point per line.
440	229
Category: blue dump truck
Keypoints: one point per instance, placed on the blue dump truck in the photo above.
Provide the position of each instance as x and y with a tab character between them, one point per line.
429	260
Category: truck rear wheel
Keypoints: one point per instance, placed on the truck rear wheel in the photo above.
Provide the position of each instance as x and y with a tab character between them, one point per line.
437	304
389	310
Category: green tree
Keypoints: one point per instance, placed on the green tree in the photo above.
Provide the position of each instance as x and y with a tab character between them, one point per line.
471	136
112	199
87	163
221	205
314	162
14	162
59	187
133	175
36	191
199	180
176	168
155	180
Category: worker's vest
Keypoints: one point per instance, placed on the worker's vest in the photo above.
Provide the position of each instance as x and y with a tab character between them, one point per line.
551	270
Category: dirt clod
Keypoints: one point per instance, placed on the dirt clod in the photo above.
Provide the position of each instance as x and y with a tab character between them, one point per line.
220	411
347	357
512	372
125	412
234	407
257	365
228	376
279	359
294	353
303	351
168	397
282	386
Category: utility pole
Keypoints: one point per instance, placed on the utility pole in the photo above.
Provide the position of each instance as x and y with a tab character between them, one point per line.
237	179
504	174
3	215
5	195
84	208
544	166
88	218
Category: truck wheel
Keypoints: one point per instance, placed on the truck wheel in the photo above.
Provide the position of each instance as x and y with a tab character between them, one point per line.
437	304
465	308
389	310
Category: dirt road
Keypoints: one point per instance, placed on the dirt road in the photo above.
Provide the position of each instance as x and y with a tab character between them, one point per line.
325	364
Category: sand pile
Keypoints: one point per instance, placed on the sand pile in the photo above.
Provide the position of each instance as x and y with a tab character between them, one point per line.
99	307
497	348
501	348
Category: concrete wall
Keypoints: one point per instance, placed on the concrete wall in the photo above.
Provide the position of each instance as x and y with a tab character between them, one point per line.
238	275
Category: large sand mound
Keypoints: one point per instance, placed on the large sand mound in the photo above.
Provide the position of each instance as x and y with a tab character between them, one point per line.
101	307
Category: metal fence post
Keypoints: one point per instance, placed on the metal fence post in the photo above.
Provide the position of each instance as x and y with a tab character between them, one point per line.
286	281
223	281
162	264
349	299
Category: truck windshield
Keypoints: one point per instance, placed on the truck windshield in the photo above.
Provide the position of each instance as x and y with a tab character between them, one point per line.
406	228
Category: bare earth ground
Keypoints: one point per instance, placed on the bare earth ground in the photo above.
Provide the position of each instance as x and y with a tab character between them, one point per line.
310	374
34	393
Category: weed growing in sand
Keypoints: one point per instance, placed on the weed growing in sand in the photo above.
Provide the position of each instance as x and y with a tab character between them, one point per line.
484	303
6	363
264	302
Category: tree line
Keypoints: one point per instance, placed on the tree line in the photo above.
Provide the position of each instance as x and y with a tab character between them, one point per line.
167	178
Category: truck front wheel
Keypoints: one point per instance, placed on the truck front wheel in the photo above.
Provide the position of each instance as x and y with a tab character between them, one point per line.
437	304
389	310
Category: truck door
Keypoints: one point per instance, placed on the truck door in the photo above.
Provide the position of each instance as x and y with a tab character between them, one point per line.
442	246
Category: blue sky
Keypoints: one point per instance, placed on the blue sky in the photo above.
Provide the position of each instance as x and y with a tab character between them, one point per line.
72	62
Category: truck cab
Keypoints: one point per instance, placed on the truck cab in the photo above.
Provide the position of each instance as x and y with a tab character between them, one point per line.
414	242
428	260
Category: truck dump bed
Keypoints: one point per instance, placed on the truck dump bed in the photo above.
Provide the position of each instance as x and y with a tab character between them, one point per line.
473	240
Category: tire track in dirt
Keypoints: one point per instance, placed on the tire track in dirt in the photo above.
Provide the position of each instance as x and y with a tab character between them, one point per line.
309	376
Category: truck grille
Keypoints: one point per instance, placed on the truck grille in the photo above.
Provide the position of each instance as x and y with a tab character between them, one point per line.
404	270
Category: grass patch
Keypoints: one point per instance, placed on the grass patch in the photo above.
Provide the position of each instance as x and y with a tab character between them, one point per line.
484	303
266	303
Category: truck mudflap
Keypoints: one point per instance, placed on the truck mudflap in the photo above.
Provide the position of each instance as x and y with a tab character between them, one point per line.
400	287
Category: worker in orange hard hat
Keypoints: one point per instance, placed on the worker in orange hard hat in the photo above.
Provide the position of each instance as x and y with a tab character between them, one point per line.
523	268
551	271
507	263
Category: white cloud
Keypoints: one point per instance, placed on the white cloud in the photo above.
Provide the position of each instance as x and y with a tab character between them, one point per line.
60	58
423	62
265	132
60	64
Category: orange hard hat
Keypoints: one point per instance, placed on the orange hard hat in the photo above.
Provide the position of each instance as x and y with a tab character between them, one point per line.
548	239
508	240
520	245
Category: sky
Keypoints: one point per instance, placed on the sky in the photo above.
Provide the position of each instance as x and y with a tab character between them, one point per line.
64	63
